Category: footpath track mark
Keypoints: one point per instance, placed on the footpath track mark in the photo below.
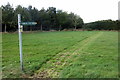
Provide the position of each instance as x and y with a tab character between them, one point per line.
53	67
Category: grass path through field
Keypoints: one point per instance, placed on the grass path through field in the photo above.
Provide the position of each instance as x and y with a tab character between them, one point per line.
64	54
54	66
38	48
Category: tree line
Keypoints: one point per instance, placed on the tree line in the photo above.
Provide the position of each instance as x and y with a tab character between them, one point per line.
102	25
50	19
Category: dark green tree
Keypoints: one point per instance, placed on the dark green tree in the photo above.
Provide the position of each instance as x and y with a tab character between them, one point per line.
52	16
7	16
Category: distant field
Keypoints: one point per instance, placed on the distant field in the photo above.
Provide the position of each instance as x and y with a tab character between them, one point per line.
70	54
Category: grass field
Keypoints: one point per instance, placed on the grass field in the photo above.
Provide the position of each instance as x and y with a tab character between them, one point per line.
71	54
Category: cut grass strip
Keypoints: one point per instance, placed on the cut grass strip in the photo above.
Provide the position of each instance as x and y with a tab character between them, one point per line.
38	48
55	66
99	59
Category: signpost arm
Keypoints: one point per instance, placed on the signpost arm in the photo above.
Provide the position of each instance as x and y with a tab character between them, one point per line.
20	41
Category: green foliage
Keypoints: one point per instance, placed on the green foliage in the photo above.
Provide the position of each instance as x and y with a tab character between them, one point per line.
50	19
102	25
7	12
7	16
76	20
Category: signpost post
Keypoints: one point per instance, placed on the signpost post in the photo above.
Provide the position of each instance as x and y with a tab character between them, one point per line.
20	29
20	41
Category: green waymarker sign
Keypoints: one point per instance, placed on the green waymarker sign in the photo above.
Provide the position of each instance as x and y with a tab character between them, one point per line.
28	23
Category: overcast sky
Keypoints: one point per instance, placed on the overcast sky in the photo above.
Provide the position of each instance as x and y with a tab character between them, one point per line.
88	10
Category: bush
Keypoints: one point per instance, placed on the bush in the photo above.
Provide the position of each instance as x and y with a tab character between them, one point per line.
102	25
